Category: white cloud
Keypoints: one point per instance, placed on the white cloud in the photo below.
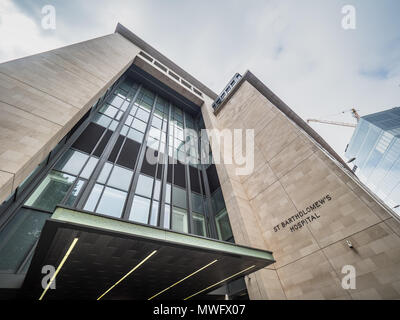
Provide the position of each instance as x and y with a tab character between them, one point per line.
297	48
20	35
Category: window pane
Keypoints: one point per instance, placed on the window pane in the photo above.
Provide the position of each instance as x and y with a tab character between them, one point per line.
197	203
140	210
217	200
179	220
120	178
167	193
135	135
71	162
133	110
179	197
223	226
125	105
90	165
74	193
113	125
157	122
111	202
128	120
139	125
102	120
154	213
157	188
124	130
199	225
104	172
144	186
116	101
18	237
108	110
142	115
51	191
93	198
154	133
167	216
153	143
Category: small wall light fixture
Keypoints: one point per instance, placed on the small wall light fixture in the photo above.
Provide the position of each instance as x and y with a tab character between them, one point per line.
349	244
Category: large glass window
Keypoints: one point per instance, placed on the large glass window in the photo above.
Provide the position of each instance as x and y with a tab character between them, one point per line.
144	185
199	225
179	197
223	226
112	202
18	238
179	220
72	162
101	167
140	210
120	178
51	191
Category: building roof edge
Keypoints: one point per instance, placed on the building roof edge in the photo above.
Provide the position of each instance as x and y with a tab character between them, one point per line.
129	35
283	107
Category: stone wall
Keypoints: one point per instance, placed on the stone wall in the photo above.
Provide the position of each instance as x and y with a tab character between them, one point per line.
295	180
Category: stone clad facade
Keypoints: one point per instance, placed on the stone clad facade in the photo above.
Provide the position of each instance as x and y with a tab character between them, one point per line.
303	204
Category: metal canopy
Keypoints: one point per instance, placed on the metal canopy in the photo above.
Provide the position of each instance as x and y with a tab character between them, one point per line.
107	258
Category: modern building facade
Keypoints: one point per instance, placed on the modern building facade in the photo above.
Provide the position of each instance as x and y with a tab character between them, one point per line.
102	184
375	148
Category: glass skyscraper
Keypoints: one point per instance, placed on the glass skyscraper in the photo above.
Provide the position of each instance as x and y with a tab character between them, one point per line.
375	145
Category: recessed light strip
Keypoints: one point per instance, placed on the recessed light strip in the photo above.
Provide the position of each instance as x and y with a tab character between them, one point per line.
215	284
137	266
192	274
59	267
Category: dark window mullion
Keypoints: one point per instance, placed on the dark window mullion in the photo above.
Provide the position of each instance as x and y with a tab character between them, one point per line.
161	217
160	154
210	214
187	175
139	162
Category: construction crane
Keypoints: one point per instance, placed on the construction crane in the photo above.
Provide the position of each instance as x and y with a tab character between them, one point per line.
337	123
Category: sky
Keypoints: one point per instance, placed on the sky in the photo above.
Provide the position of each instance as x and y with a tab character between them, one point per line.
299	49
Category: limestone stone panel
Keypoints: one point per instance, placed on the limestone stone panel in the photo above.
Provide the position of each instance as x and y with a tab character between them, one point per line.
311	278
34	101
273	207
6	182
44	73
243	97
291	155
252	284
394	225
22	135
344	215
258	113
258	181
236	220
244	222
101	56
62	79
376	258
265	285
277	134
251	224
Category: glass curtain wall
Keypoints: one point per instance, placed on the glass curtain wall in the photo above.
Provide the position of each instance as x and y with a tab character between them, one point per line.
134	159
